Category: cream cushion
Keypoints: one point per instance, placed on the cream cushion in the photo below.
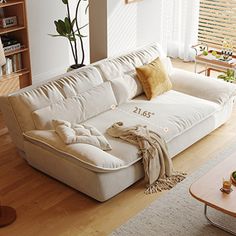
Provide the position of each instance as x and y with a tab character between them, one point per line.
78	108
201	86
85	155
76	133
126	87
168	122
123	67
42	95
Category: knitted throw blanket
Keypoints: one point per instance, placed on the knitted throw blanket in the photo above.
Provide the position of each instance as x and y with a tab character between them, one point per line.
157	164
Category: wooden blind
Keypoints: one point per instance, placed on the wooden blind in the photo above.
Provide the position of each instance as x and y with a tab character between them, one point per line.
217	22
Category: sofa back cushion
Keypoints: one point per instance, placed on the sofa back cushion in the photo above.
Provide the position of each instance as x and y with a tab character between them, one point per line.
36	97
126	87
123	68
78	108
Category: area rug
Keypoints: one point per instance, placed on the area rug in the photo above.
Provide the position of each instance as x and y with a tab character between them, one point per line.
177	213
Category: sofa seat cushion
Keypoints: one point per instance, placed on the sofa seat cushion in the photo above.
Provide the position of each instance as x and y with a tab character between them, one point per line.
174	114
169	114
84	155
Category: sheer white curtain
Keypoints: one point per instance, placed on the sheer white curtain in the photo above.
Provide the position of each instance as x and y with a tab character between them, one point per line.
179	27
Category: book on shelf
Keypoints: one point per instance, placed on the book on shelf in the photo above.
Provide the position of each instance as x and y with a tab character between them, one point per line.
11	48
17	62
13	64
10	44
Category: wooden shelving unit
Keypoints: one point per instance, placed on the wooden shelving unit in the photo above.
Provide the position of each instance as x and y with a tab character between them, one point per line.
22	78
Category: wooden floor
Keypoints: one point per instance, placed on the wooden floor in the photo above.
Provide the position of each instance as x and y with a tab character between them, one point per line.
46	207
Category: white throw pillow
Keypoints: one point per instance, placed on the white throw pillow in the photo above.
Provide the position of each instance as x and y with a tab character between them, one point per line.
78	108
76	133
126	87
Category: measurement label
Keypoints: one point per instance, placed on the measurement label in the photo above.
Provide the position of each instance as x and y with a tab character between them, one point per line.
143	113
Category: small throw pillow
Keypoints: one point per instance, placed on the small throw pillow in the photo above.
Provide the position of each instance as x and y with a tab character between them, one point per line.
76	133
154	78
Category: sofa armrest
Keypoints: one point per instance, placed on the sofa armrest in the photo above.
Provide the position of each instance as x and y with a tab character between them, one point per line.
201	86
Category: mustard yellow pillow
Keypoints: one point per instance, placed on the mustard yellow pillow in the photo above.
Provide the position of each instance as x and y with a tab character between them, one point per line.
154	78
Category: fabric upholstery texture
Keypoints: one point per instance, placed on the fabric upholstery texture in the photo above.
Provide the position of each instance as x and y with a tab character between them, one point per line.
78	108
36	96
104	185
201	86
168	122
112	68
126	87
195	107
83	154
154	78
76	133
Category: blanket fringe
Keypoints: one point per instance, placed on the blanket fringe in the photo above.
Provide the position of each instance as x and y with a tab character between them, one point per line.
165	183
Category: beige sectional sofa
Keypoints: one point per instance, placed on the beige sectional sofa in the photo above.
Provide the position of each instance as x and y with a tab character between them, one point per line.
100	95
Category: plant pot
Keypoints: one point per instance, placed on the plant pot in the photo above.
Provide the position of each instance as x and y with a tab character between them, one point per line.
74	67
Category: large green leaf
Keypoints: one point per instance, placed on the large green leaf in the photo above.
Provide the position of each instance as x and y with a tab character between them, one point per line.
65	1
60	27
57	35
73	23
68	25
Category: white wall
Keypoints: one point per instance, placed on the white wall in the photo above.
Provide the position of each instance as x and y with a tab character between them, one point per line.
149	21
122	26
128	26
49	56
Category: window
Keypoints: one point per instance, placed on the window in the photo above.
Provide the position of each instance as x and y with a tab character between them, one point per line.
217	22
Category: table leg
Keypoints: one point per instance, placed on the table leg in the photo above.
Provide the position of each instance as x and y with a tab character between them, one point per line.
217	225
208	71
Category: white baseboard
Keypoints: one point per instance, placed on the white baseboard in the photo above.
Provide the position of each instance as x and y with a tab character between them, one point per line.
48	75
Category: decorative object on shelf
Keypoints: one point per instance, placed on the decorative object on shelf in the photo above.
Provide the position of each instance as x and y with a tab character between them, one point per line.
227	50
7	214
71	29
3	1
228	76
8	22
201	48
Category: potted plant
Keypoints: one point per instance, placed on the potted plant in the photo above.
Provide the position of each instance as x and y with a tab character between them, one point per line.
70	29
228	76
